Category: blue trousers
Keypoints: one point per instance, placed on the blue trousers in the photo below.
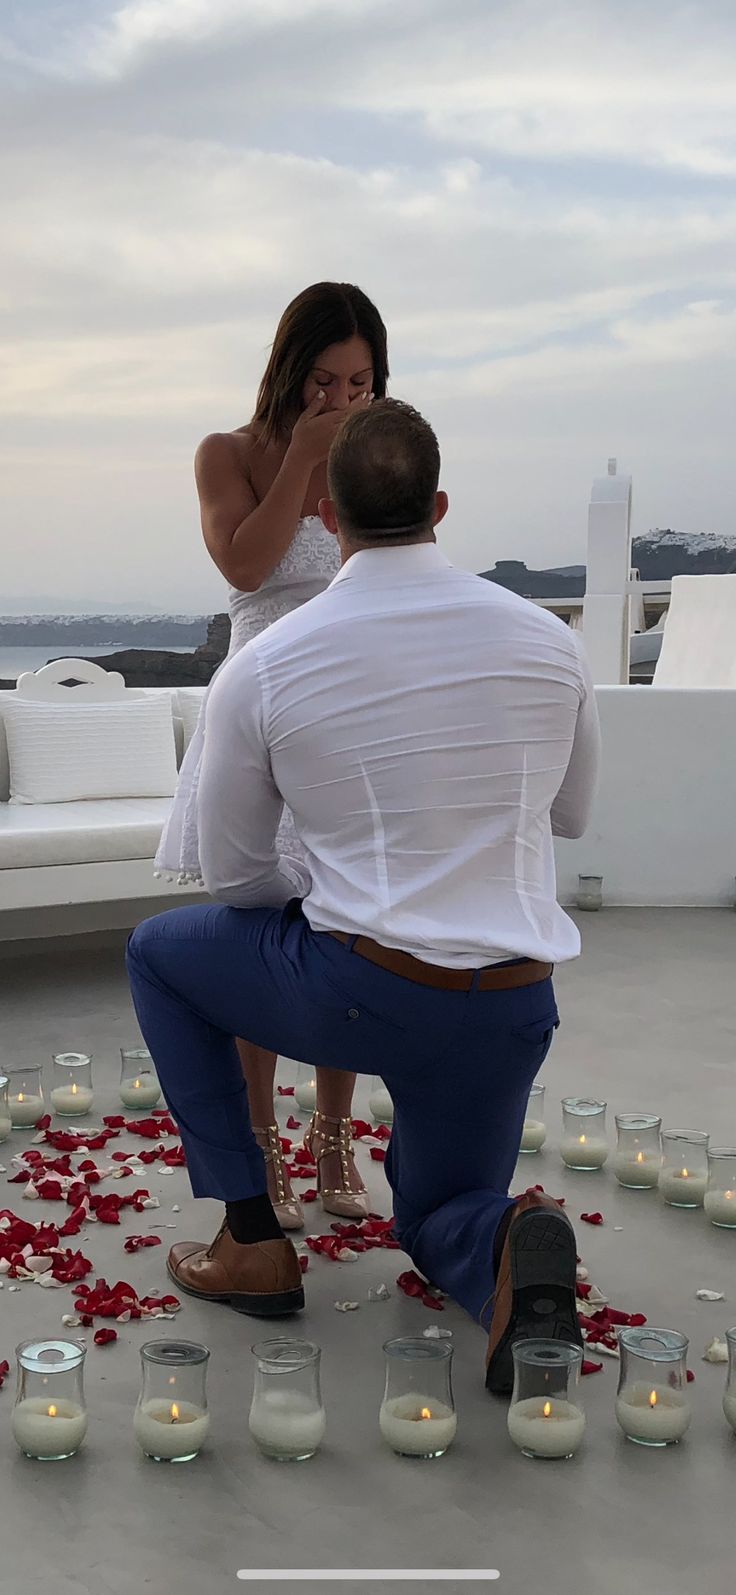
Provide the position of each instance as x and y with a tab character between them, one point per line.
459	1066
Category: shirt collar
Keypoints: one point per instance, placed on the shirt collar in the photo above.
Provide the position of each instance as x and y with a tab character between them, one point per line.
391	564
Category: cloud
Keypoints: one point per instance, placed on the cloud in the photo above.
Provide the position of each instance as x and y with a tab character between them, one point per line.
539	198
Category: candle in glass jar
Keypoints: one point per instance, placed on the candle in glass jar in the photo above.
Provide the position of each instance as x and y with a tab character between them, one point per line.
638	1170
6	1125
533	1136
170	1431
71	1100
141	1091
720	1208
653	1415
381	1104
305	1093
682	1188
546	1427
49	1430
584	1151
417	1426
26	1108
286	1424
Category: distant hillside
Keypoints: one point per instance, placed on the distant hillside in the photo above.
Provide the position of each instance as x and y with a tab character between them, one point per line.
658	557
102	631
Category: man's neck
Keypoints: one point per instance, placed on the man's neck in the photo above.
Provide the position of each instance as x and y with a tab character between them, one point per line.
350	546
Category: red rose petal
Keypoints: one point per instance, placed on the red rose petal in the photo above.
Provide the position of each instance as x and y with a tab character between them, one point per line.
292	1123
136	1243
590	1367
285	1090
105	1337
378	1154
310	1195
592	1218
303	1264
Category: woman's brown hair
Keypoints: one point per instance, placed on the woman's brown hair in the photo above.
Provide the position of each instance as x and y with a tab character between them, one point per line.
326	313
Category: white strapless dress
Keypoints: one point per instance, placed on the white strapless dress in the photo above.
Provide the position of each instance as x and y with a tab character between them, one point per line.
307	568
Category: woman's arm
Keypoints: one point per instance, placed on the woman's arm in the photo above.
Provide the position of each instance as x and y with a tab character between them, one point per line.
247	540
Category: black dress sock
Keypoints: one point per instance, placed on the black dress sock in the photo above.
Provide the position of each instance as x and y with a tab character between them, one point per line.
253	1220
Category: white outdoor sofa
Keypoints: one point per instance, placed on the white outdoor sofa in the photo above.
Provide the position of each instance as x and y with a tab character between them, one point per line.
98	850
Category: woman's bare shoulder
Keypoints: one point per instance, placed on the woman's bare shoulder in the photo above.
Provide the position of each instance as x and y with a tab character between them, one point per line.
235	448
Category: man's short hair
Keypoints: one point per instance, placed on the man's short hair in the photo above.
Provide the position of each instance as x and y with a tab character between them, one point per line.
382	472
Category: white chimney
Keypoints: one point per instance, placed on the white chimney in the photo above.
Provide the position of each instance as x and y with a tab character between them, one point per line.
612	466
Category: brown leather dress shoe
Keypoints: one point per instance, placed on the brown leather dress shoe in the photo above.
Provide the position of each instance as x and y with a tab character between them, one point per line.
263	1278
535	1286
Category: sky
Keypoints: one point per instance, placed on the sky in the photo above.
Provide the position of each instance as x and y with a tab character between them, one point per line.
539	195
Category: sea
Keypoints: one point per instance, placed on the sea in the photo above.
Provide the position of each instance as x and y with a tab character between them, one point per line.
13	661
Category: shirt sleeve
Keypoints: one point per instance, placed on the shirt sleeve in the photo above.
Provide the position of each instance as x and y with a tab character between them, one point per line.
573	805
239	804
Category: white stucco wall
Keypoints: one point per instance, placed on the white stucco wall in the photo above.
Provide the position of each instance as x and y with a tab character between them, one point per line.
664	827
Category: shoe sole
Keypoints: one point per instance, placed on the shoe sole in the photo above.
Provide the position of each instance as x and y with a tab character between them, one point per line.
543	1302
281	1304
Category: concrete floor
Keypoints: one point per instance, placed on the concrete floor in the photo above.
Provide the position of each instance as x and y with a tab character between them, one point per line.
649	1022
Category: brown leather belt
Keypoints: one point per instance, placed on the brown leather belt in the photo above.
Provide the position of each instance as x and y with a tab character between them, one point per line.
497	977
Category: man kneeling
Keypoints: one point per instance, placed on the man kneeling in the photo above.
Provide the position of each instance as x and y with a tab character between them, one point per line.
429	731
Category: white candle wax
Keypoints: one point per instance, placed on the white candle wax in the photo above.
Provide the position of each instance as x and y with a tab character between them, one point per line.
533	1136
286	1424
546	1426
306	1095
6	1125
729	1409
681	1188
170	1430
655	1415
381	1105
639	1170
25	1109
404	1424
47	1429
584	1151
140	1091
720	1208
72	1100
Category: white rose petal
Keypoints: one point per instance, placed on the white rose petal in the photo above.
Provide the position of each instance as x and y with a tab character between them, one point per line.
710	1295
716	1351
30	1193
346	1306
581	1273
48	1281
4	1265
150	1201
379	1293
40	1265
433	1332
166	1169
347	1255
70	1320
176	1208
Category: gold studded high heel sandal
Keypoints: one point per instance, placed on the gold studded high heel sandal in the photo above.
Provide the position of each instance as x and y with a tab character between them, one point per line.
333	1138
286	1205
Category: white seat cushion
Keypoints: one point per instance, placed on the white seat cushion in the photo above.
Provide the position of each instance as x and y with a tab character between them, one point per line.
94	832
66	753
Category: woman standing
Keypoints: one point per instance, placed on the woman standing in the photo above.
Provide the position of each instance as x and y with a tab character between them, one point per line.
259	487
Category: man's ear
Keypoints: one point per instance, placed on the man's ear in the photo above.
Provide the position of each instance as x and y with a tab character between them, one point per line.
441	504
327	511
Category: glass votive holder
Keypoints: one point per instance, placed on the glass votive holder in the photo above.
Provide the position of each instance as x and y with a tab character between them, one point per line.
139	1087
71	1090
6	1123
683	1177
305	1090
50	1416
590	892
171	1421
652	1404
729	1394
25	1097
720	1196
287	1418
534	1133
417	1416
380	1102
546	1417
638	1157
584	1144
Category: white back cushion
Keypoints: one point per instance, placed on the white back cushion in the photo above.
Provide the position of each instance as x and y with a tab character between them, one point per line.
190	700
4	770
61	753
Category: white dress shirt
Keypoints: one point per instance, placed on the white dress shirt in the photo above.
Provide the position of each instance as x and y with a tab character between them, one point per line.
429	731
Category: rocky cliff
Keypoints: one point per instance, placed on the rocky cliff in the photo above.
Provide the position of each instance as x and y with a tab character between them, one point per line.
143	667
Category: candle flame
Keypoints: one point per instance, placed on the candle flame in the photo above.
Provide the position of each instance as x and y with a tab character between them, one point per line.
640	1157
653	1399
21	1097
425	1413
547	1409
174	1412
582	1140
684	1174
75	1088
136	1085
52	1412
